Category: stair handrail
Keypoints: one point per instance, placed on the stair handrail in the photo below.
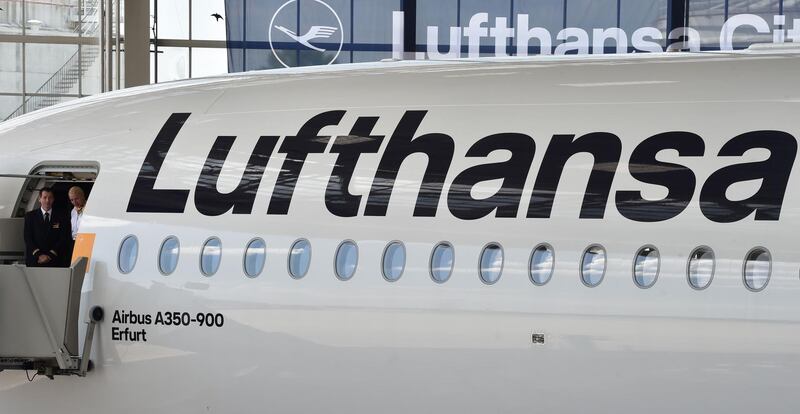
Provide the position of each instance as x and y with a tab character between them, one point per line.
47	87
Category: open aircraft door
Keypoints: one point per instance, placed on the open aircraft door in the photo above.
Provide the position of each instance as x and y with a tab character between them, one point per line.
39	306
59	176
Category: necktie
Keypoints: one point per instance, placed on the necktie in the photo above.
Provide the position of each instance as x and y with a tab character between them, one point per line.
47	218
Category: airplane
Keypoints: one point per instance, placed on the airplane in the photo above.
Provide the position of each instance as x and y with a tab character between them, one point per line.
608	233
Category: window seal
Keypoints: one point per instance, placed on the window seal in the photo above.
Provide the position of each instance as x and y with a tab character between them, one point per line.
744	268
633	266
605	265
480	259
289	258
430	262
161	251
383	260
244	257
336	256
549	247
202	254
713	267
119	254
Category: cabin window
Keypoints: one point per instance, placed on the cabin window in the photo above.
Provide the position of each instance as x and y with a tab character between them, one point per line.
255	257
168	255
128	253
394	261
346	260
593	265
299	258
491	266
442	259
700	270
646	266
210	256
757	269
541	264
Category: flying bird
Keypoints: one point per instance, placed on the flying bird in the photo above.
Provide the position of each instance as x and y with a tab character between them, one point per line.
217	16
316	32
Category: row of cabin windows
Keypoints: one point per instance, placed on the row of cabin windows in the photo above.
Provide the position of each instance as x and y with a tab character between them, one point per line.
647	262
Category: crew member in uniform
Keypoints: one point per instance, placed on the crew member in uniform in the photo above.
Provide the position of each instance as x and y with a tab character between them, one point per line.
47	234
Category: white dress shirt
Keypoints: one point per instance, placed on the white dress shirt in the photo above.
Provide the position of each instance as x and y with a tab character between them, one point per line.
75	220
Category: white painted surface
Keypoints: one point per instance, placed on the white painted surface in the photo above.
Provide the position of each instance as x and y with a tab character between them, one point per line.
368	345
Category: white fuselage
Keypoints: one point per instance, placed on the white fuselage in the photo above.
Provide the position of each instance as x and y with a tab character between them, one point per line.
318	343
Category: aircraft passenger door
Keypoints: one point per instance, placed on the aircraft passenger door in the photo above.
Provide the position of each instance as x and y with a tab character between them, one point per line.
60	176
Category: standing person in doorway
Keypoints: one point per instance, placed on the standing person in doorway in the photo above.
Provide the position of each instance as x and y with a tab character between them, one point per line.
78	200
46	235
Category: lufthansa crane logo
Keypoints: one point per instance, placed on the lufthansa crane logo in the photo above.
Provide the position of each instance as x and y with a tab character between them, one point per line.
320	43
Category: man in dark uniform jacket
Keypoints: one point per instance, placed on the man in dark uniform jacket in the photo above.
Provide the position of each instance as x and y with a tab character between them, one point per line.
47	234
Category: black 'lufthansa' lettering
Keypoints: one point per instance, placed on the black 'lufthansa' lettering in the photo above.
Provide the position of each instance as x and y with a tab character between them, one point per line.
773	172
209	201
307	141
678	179
604	147
144	197
338	198
513	172
439	149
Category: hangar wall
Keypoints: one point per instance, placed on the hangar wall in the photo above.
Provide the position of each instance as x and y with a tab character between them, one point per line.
52	51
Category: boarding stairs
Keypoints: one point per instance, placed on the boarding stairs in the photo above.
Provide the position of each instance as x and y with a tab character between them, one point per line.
39	308
68	77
